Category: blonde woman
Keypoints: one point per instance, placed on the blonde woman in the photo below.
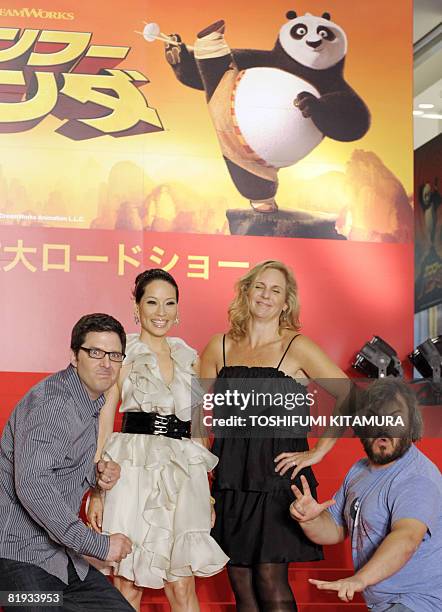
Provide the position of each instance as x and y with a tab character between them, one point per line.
254	475
162	500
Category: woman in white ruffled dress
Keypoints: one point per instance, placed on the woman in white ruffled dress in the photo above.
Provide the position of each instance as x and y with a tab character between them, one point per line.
162	501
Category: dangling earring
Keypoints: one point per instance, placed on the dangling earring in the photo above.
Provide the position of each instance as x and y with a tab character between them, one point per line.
176	320
136	318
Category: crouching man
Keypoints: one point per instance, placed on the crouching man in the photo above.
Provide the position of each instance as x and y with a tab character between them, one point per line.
46	465
390	506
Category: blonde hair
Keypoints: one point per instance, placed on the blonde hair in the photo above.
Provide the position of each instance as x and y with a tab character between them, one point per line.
239	313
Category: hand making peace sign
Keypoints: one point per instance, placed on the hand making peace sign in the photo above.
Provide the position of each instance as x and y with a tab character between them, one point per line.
305	507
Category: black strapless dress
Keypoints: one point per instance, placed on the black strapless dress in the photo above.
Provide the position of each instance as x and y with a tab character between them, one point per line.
253	524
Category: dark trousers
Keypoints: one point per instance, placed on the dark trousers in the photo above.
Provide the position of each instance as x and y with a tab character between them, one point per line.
94	593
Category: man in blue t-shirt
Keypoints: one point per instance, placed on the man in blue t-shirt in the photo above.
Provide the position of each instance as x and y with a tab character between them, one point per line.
390	505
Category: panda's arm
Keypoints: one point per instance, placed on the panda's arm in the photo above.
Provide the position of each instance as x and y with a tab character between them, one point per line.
251	58
182	62
340	114
347	116
185	68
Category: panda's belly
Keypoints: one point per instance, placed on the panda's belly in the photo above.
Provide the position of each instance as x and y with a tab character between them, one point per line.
267	118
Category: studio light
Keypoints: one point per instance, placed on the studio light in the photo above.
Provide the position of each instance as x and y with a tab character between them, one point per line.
427	358
378	359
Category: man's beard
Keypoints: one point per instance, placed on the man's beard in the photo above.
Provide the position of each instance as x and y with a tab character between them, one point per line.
383	459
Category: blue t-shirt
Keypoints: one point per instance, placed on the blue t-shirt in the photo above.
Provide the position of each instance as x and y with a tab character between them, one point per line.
370	500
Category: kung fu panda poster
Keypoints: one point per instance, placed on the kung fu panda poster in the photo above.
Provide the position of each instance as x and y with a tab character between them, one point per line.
428	229
275	119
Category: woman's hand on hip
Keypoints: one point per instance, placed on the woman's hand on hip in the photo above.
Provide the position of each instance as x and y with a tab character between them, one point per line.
297	460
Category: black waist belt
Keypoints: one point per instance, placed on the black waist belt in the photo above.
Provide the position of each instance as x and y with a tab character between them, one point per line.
152	423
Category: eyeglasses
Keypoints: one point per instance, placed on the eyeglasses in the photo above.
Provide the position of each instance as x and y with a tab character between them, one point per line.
95	353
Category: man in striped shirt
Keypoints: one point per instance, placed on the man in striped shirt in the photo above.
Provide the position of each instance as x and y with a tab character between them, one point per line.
47	464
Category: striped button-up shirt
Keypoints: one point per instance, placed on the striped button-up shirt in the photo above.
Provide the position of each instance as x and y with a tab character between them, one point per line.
46	465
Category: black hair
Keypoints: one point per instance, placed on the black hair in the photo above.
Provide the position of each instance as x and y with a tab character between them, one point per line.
387	390
147	277
96	322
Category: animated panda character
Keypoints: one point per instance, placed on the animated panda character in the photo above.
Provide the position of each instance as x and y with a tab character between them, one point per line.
271	108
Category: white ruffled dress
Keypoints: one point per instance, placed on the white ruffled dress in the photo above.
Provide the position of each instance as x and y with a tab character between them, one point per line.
162	499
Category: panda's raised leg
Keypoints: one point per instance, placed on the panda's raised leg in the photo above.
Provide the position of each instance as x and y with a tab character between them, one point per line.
261	192
218	72
213	56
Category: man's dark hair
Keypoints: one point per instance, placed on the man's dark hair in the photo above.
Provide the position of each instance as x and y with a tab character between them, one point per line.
96	322
388	390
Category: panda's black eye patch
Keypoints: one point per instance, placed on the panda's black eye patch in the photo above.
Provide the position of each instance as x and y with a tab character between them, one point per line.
298	31
325	33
